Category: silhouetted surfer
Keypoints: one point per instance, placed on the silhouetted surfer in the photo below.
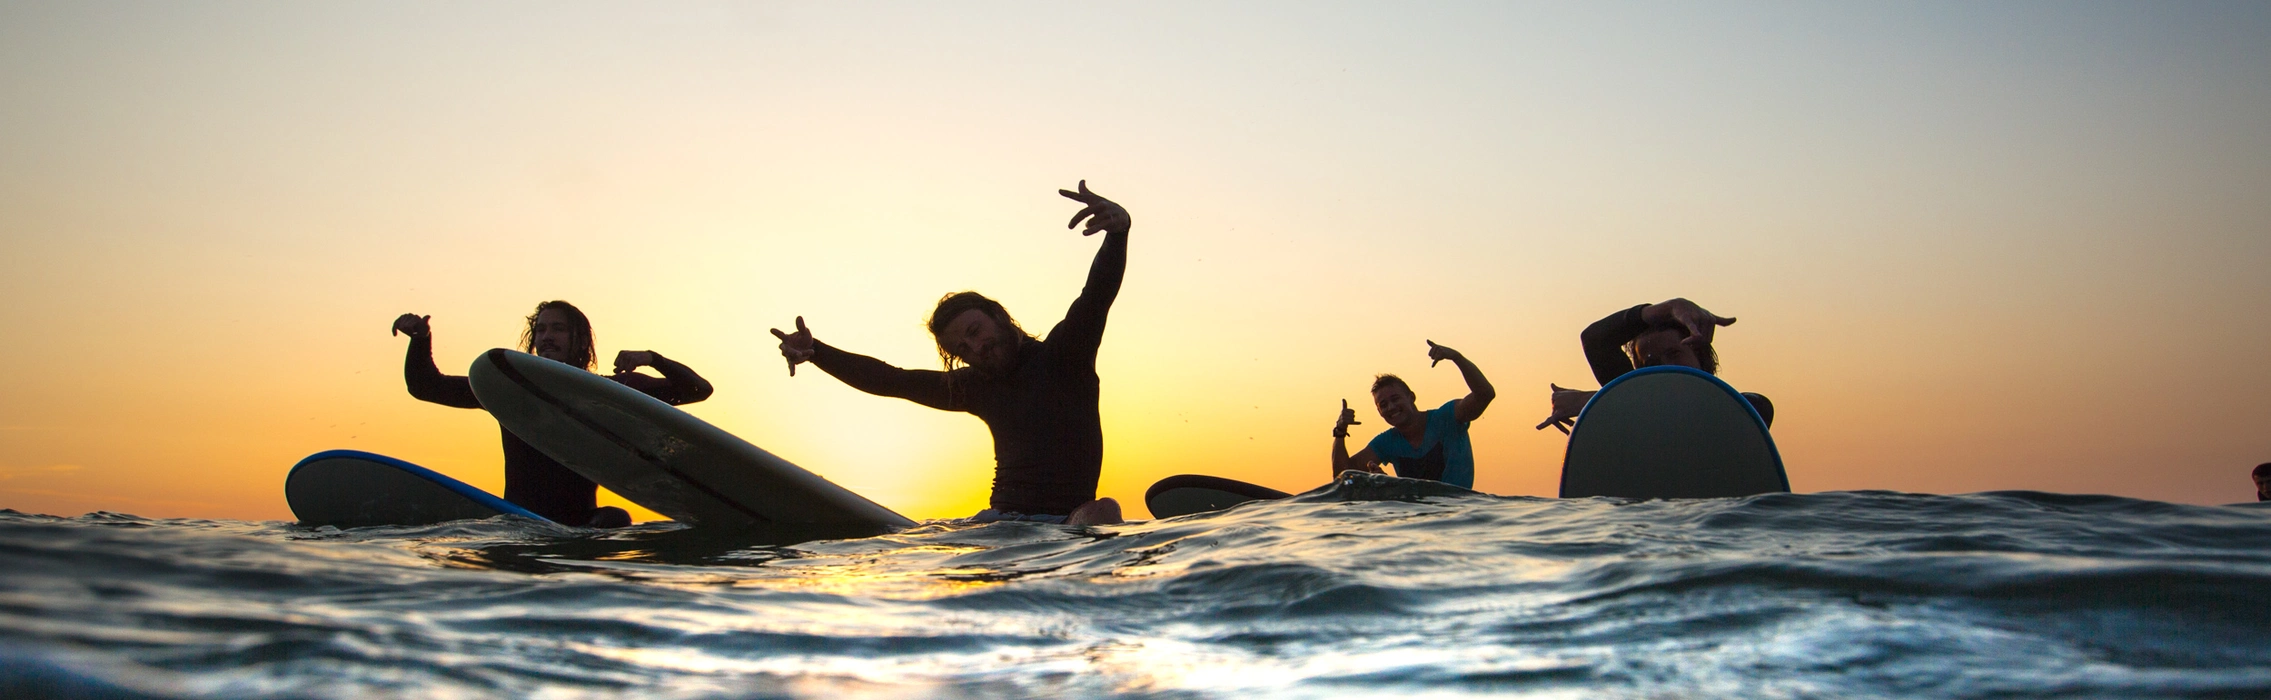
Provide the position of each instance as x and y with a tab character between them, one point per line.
1422	444
1038	397
559	332
1676	332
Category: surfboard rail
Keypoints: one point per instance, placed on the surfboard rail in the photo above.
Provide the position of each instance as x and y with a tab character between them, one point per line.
1579	478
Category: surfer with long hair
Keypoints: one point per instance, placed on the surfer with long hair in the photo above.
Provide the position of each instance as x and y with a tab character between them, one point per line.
1037	396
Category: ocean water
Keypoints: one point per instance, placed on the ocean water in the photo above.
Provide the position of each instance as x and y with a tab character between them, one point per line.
1374	587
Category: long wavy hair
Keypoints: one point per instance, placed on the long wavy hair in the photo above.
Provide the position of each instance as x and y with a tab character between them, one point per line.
1708	357
581	355
953	305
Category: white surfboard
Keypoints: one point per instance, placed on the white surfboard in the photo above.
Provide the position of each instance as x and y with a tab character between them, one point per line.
1670	432
660	457
346	488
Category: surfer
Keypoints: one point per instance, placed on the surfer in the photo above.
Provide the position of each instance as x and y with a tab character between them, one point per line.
1037	397
2263	481
1675	332
557	331
1422	444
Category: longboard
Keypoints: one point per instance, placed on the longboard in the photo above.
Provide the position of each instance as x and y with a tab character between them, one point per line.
660	457
1184	494
1670	432
346	488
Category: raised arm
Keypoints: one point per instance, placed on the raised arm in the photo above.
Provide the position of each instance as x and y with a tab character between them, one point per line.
1364	461
1479	391
1604	342
425	380
1084	323
679	384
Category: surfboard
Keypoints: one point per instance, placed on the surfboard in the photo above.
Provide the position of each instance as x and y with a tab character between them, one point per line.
1184	494
662	458
346	488
1670	432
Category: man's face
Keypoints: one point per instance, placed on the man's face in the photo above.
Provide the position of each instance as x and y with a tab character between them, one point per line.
554	336
1662	346
2263	488
1395	405
975	338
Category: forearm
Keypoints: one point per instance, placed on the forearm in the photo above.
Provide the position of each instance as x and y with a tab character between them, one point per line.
880	378
1341	462
1478	386
1604	342
1085	320
686	385
426	381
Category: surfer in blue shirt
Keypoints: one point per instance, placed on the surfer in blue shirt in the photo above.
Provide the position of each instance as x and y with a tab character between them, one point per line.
1037	397
1675	332
1422	444
557	331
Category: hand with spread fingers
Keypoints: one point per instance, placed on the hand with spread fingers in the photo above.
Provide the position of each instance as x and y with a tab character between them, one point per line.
1567	403
1686	314
1348	418
1102	214
796	347
412	325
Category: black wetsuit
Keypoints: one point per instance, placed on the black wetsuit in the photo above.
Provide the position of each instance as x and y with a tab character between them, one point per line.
1048	436
532	479
1604	350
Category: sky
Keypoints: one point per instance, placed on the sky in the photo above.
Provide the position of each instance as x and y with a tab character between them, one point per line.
1970	246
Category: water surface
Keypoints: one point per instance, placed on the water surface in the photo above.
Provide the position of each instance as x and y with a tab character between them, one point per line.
1373	587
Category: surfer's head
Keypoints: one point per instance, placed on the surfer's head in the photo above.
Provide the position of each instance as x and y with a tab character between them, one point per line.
974	330
1393	398
558	331
2263	482
1666	345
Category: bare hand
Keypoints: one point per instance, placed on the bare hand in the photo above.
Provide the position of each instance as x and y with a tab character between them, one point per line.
1698	322
628	360
1438	353
1567	403
1108	217
412	325
797	347
1348	418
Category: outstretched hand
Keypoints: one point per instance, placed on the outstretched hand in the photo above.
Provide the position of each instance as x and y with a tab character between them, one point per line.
412	325
796	347
1348	418
1698	322
1102	214
1567	403
1438	353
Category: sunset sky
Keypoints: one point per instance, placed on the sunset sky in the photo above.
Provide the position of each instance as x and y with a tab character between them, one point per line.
1972	246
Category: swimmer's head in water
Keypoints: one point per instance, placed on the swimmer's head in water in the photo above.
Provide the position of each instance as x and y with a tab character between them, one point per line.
1394	400
558	331
1662	346
974	330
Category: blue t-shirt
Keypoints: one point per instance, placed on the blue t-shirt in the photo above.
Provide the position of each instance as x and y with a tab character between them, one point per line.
1443	454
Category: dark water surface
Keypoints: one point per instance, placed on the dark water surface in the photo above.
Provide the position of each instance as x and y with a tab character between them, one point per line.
1370	588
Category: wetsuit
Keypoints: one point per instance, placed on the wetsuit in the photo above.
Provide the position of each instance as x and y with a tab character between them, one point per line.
532	479
1604	350
1444	452
1048	436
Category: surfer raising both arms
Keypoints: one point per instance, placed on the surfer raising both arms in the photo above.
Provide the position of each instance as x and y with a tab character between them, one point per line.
1675	332
1038	397
1422	444
557	331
